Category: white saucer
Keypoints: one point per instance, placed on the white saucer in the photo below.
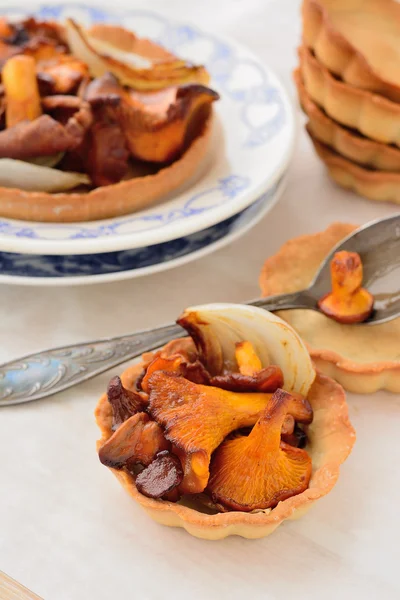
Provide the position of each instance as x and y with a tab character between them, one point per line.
252	146
44	270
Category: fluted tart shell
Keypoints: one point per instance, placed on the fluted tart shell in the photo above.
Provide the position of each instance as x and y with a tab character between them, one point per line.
330	440
357	41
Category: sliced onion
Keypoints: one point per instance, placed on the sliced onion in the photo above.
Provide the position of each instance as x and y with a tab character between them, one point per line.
46	161
131	69
216	328
34	178
129	58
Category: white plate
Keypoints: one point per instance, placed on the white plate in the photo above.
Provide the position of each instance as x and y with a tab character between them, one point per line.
251	149
43	270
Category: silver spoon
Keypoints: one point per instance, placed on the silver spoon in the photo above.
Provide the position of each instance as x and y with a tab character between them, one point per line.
39	375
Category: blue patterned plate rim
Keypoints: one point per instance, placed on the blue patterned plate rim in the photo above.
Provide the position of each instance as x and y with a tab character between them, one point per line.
258	148
29	269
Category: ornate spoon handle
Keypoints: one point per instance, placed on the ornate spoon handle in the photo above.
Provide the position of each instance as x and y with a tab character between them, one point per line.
45	373
39	375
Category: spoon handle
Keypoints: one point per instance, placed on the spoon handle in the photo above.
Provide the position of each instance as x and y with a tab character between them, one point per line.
301	299
45	373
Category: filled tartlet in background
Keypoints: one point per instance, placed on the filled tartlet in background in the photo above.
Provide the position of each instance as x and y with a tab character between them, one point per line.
95	123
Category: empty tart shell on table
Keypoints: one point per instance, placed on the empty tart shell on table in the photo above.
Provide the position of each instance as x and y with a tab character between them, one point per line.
382	186
347	142
149	130
210	504
357	41
374	116
363	359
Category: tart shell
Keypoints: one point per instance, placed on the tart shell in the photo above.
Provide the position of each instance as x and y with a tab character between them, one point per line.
331	438
109	201
381	186
346	353
345	141
374	116
322	35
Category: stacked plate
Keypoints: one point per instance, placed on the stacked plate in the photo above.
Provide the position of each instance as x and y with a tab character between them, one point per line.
241	180
349	87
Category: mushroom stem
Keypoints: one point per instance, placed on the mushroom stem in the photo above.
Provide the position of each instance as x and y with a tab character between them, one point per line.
21	90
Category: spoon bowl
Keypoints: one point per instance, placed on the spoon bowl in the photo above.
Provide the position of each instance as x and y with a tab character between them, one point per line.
378	244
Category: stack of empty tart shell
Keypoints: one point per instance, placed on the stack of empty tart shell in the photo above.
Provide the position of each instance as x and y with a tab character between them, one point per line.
349	87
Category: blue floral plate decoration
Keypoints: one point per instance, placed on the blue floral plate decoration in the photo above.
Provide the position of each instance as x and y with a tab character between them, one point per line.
57	270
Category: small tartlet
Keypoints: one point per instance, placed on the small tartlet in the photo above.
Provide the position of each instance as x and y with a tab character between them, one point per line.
342	38
363	359
380	186
330	438
344	141
374	116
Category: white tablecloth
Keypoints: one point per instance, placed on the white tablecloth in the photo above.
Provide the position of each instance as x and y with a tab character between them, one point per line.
70	532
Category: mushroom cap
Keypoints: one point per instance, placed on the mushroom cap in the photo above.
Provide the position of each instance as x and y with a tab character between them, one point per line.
258	471
197	418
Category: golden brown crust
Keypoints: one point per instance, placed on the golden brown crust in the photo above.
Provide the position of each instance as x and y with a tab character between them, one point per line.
382	186
372	115
331	438
109	201
363	359
322	35
345	141
357	40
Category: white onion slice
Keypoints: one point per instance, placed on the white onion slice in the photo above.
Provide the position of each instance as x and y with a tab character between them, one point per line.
35	178
221	326
129	58
131	69
81	48
46	161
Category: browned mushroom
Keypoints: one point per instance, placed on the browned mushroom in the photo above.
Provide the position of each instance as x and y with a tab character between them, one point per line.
161	477
259	470
158	125
197	418
42	137
137	441
125	403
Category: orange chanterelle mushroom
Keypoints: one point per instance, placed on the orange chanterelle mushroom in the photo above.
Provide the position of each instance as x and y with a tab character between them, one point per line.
259	470
348	302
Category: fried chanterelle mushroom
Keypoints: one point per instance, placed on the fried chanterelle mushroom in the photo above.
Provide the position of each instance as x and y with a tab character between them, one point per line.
348	302
259	470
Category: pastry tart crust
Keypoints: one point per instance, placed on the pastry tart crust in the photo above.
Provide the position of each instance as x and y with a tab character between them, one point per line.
374	116
331	438
363	359
346	142
345	46
382	186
